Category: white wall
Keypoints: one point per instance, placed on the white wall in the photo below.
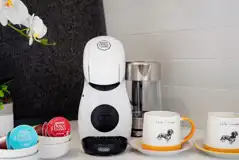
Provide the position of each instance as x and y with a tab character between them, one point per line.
197	42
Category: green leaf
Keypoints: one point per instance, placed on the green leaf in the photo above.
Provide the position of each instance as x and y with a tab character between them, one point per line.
1	94
1	106
7	91
4	88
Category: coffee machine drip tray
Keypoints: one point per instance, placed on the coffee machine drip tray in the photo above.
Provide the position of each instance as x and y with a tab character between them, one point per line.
104	146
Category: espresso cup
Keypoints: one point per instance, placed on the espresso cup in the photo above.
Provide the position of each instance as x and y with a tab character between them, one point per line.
222	132
162	131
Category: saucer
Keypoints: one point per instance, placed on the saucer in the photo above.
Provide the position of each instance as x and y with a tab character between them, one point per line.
199	145
136	144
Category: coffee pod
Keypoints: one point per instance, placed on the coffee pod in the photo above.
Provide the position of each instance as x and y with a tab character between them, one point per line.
58	127
7	141
23	136
3	144
38	129
44	129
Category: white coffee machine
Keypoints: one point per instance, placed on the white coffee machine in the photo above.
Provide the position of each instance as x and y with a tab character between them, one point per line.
105	115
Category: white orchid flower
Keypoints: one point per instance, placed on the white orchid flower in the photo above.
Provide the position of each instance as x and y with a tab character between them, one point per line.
14	11
37	29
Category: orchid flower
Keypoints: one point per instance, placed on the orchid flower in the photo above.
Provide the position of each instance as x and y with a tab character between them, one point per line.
37	29
13	11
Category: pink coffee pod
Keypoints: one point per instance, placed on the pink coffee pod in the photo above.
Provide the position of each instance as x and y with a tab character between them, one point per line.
58	127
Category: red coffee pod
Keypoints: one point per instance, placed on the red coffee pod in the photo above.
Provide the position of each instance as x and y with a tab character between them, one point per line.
58	127
3	144
38	129
44	129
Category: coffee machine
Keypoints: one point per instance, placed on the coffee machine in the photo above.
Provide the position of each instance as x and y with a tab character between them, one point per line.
105	113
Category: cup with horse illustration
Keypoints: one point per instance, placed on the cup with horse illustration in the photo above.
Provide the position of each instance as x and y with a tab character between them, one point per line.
162	131
222	132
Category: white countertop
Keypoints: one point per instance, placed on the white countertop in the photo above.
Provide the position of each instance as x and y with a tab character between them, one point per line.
77	153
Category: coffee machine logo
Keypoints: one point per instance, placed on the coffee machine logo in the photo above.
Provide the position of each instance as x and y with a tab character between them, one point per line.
104	45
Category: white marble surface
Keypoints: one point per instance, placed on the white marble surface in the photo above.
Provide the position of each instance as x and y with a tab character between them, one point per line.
76	152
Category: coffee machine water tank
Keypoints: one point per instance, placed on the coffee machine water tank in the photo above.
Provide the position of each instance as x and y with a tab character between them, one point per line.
105	113
144	88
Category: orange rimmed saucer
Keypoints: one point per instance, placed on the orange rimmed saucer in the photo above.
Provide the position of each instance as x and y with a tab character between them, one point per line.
137	145
200	146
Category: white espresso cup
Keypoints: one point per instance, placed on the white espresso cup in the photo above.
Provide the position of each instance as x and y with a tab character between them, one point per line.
162	131
222	132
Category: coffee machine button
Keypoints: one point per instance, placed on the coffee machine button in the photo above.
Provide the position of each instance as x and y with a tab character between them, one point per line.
104	118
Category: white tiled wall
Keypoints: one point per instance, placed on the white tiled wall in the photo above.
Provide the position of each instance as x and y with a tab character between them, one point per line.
197	42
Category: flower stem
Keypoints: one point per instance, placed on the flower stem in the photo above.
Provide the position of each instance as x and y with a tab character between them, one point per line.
18	30
25	35
25	29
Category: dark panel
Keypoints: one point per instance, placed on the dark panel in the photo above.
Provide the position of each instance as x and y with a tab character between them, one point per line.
48	80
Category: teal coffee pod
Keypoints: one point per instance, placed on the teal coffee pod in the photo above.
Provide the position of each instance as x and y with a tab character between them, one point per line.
7	141
23	136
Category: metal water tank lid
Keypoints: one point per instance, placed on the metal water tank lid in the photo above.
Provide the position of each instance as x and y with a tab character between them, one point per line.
143	71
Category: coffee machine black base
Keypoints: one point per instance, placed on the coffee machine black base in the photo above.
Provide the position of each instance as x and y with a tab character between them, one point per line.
104	146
